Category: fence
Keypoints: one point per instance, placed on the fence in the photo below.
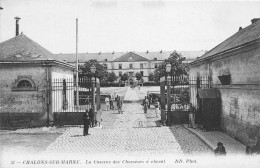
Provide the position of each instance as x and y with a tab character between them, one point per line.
64	95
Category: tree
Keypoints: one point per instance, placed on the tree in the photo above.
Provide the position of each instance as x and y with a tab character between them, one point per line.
124	77
101	72
177	67
138	76
151	77
111	77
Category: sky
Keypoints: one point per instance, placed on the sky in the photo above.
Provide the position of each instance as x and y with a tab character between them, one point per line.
126	25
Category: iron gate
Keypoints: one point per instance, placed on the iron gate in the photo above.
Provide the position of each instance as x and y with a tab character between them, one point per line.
64	100
183	93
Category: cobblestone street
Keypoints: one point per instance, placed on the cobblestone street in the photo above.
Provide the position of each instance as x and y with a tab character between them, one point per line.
130	133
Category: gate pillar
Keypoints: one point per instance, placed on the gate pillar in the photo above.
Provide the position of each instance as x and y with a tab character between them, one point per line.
162	93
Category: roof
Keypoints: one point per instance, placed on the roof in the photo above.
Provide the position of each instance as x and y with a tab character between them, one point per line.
159	55
243	36
130	57
22	48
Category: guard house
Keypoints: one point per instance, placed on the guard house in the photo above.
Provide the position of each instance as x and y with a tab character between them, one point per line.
27	74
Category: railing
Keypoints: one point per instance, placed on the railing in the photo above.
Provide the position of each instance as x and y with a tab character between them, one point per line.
64	95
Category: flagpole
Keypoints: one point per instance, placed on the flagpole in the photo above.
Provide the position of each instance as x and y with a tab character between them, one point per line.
77	68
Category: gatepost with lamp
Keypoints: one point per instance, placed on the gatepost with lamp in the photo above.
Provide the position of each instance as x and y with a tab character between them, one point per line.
168	83
165	102
95	84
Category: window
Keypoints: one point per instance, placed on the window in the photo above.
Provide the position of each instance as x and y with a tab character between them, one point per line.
141	66
155	58
225	79
142	73
24	84
130	58
120	73
155	65
119	66
131	66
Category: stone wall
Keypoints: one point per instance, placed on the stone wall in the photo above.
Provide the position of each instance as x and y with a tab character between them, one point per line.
29	107
18	105
240	115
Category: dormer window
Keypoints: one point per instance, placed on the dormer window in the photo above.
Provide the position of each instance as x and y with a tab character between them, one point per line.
155	59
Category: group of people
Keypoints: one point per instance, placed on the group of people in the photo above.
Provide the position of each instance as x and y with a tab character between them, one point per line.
146	103
88	121
110	103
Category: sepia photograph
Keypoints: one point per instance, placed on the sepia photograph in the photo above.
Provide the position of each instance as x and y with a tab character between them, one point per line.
129	83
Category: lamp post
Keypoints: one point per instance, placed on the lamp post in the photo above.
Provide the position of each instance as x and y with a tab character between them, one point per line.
168	82
93	70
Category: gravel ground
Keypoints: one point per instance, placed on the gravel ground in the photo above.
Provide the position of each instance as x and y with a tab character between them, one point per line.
32	140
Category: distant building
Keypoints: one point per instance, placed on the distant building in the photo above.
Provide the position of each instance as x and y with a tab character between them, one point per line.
129	62
234	66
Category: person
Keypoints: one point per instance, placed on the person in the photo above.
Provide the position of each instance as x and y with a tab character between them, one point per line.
91	117
149	100
111	103
86	122
116	99
191	116
120	105
145	104
220	150
156	108
107	103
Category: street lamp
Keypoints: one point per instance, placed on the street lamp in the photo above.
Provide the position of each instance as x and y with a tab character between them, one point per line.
168	68
168	82
93	69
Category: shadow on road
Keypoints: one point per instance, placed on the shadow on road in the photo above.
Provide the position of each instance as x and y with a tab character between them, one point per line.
76	136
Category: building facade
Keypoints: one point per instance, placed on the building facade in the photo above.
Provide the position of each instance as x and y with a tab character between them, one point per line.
128	62
234	67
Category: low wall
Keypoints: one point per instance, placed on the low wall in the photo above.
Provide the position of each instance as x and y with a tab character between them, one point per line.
22	120
245	132
179	117
68	118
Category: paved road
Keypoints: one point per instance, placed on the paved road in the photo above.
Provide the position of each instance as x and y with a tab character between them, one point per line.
130	133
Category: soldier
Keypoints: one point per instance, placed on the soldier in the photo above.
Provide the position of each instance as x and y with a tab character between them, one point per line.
91	117
86	122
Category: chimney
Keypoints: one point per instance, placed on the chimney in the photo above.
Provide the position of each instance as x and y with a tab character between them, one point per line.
240	28
161	51
17	26
113	52
1	8
147	51
255	20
